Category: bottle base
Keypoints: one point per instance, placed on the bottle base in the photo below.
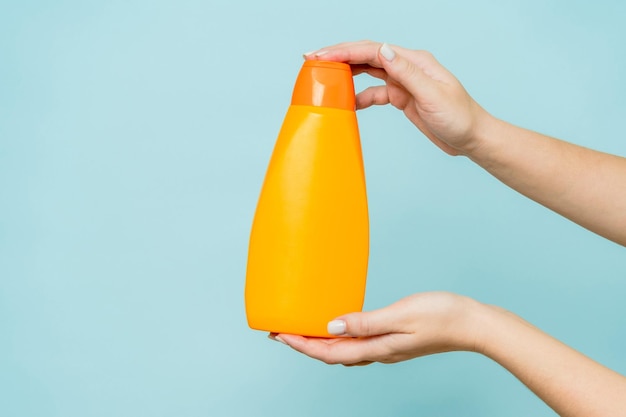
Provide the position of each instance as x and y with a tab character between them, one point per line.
290	328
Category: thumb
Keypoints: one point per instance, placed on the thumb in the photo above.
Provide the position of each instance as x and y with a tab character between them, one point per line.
371	323
405	72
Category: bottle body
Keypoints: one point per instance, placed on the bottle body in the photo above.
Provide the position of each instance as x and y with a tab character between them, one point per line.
308	252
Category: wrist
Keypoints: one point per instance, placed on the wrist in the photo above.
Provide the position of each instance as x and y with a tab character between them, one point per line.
480	321
473	319
499	331
484	137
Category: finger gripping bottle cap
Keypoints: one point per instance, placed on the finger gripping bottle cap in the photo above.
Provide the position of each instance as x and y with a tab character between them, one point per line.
324	84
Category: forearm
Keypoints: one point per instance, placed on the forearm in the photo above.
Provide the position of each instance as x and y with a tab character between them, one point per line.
569	382
584	185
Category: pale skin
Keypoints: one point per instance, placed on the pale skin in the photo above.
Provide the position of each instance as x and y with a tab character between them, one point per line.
586	186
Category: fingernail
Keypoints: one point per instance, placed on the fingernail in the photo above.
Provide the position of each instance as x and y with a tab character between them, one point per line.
336	327
387	52
314	54
275	337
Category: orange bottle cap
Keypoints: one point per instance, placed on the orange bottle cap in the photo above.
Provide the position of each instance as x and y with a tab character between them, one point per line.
324	84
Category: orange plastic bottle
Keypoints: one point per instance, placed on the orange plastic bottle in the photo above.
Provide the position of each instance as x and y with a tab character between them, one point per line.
308	253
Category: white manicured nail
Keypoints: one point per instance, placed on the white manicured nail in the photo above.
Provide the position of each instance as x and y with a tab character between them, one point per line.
315	54
387	52
276	338
336	327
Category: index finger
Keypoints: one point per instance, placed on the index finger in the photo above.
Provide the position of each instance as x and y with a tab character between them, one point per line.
363	52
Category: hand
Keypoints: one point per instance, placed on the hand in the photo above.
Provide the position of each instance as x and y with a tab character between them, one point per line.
428	94
417	325
422	324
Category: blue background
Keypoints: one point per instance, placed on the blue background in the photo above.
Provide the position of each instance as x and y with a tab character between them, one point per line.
134	137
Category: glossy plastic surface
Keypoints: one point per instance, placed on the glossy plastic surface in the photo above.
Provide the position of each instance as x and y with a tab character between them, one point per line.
308	253
324	84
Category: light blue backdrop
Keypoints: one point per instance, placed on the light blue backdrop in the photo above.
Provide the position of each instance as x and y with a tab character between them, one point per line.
134	136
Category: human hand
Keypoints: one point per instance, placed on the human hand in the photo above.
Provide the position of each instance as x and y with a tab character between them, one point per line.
417	325
428	94
568	381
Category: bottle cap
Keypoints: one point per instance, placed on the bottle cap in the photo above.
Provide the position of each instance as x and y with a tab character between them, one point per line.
324	84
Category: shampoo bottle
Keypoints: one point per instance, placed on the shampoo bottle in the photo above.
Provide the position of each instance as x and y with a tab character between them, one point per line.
309	244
